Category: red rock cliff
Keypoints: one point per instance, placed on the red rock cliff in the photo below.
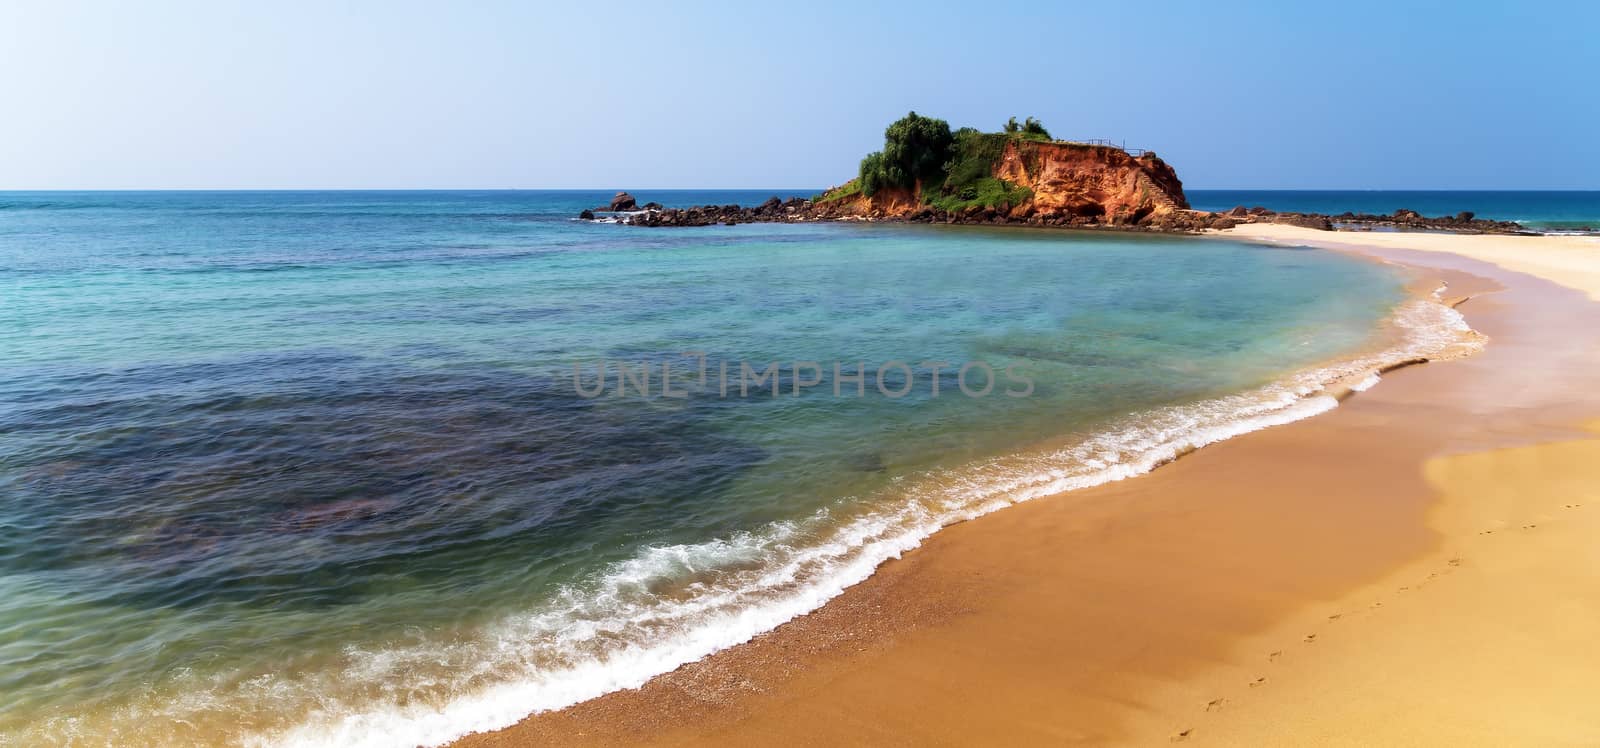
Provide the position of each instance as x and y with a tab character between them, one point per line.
1071	184
1091	181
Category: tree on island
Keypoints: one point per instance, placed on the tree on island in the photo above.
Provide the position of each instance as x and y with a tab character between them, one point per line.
1031	128
952	170
914	148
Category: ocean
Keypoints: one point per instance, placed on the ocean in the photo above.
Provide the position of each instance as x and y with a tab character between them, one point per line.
1546	211
383	468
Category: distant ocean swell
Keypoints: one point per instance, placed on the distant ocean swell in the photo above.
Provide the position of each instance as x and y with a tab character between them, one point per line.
674	604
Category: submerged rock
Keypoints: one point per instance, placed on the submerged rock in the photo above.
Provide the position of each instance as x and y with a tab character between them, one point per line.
867	462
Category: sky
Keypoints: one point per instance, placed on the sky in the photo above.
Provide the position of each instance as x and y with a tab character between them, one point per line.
493	94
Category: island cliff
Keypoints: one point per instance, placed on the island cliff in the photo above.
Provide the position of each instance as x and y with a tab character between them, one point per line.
927	173
1043	183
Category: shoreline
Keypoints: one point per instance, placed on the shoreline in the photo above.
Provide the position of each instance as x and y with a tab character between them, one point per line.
735	694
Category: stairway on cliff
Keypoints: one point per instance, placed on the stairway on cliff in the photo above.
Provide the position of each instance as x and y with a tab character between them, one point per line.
1163	201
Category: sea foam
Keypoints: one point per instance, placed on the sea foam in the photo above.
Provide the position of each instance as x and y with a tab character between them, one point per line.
671	605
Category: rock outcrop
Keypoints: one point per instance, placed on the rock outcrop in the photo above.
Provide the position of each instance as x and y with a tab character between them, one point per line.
1066	183
795	210
1068	179
1403	219
1047	184
623	201
773	210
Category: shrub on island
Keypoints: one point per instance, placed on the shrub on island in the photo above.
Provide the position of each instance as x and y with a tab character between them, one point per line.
952	171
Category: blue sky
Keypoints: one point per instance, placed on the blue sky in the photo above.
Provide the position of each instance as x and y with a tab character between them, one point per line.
1438	95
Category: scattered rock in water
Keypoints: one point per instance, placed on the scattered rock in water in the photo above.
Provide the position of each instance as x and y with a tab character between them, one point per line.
587	215
623	201
1222	222
1088	215
1304	220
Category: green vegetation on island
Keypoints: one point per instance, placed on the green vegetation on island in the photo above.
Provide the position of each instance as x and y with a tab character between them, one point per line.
1030	129
953	170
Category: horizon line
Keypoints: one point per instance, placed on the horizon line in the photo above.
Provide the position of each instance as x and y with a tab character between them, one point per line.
735	189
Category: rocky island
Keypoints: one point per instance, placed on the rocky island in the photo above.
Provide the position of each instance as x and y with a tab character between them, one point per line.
927	173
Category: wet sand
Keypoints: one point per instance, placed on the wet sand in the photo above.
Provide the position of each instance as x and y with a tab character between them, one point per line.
1411	568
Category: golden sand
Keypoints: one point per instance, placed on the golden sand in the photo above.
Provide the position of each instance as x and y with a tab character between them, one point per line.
1414	568
1489	641
1571	261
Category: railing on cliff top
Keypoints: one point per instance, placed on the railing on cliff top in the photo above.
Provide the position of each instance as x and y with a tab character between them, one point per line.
1135	152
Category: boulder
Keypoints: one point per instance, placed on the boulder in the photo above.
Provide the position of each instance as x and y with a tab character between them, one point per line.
587	215
623	201
1312	221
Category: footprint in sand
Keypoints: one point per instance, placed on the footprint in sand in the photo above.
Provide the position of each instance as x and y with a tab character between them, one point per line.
1335	617
1309	638
1454	561
1182	735
1273	657
1529	527
1215	705
1259	682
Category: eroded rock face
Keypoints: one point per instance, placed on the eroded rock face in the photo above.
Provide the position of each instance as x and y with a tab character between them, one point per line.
1071	179
1073	183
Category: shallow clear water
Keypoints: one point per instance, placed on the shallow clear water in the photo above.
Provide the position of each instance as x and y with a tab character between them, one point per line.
313	468
1548	210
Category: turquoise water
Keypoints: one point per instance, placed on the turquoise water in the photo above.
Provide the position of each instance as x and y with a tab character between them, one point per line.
314	468
1555	211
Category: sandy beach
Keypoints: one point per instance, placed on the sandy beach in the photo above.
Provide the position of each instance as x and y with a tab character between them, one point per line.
1207	374
1571	261
1415	567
